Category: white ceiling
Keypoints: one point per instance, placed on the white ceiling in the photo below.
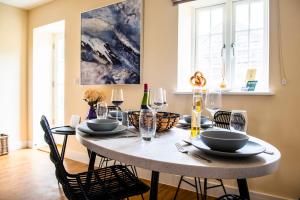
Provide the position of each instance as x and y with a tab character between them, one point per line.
25	4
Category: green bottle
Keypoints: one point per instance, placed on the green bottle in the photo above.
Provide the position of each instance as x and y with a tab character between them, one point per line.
145	100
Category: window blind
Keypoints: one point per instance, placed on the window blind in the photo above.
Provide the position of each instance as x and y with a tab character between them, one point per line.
175	2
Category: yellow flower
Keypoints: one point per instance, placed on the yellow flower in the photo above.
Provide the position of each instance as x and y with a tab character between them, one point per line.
93	96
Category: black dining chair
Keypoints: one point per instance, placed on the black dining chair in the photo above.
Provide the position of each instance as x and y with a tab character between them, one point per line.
114	182
230	197
221	120
104	161
198	187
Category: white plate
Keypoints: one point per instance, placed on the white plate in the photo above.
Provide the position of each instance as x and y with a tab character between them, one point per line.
84	128
250	149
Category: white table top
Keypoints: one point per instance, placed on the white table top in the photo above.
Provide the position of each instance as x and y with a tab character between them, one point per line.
161	155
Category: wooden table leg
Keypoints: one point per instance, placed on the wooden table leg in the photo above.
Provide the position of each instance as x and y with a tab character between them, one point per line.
243	189
154	185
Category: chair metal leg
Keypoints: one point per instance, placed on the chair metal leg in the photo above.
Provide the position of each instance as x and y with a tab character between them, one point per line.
196	187
64	147
200	187
222	184
178	187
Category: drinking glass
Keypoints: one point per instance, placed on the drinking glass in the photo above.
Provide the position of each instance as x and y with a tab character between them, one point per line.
239	121
213	101
101	110
147	124
125	119
156	99
117	98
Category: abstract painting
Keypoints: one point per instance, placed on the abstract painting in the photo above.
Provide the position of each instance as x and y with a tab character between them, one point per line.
111	44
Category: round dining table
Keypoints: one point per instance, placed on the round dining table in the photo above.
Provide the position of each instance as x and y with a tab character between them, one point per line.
161	155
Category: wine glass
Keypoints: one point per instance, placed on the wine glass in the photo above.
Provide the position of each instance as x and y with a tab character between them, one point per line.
156	99
117	98
213	101
101	110
165	104
238	121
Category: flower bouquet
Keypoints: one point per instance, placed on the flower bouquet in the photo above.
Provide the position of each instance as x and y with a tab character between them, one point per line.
92	97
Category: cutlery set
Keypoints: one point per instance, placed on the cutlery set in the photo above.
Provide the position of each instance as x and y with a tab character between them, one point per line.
183	150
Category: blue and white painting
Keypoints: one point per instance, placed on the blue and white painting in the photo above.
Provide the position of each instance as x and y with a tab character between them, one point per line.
111	44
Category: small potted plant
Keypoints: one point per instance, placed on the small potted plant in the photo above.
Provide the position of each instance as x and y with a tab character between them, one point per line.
92	97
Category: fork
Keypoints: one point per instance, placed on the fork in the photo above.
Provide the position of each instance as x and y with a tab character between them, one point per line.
182	150
268	152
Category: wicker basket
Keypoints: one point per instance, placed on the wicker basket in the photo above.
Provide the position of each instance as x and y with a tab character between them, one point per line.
164	120
3	144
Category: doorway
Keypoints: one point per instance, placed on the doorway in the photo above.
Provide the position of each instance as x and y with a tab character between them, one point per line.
48	78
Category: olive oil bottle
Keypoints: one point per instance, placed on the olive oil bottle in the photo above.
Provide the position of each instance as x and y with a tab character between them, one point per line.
196	112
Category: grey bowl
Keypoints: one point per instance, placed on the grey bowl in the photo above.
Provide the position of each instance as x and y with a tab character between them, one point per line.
224	140
102	124
188	119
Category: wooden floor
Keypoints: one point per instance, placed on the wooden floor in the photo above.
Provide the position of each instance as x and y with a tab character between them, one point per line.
29	174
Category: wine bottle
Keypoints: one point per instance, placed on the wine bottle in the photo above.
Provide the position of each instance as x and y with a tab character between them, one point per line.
145	100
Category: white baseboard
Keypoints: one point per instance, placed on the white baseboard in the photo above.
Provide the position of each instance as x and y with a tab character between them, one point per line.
172	180
15	145
30	144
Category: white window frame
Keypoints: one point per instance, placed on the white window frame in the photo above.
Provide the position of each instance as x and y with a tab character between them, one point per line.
228	38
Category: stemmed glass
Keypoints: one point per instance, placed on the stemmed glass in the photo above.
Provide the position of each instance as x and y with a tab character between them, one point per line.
156	99
213	101
165	104
117	99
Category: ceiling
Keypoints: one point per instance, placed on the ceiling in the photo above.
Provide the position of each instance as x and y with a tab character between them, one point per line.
25	4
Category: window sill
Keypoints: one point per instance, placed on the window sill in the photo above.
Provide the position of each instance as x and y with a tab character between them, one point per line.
235	93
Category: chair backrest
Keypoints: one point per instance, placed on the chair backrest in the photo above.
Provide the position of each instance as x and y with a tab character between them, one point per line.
238	121
222	119
75	120
60	171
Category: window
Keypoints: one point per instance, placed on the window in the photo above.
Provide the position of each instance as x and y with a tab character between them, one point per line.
224	39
